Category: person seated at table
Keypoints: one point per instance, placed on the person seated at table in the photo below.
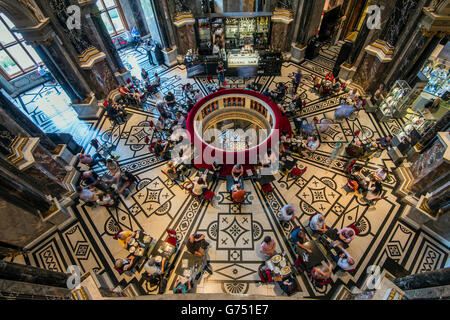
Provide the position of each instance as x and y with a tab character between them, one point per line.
126	180
269	158
317	223
124	237
352	95
160	149
124	264
358	102
114	171
144	75
157	80
180	121
322	272
285	138
268	247
237	193
287	284
92	179
106	200
311	144
374	191
136	83
384	142
180	287
198	95
119	112
288	212
154	267
187	90
89	195
380	174
346	235
200	186
344	261
298	238
237	172
160	125
171	170
189	105
217	169
129	94
356	171
88	160
196	244
170	99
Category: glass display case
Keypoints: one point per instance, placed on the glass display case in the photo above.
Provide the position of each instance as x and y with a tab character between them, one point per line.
394	99
438	75
204	33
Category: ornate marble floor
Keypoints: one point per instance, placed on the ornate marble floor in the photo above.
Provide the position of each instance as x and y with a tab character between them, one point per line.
158	204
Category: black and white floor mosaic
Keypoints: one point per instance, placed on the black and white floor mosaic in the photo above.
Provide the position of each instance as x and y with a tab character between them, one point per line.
235	238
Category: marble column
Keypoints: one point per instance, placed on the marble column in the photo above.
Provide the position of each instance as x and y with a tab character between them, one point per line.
24	124
429	279
282	19
380	53
95	21
21	195
29	274
439	126
31	159
185	31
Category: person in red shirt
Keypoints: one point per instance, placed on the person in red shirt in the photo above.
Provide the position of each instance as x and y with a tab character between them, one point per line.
238	195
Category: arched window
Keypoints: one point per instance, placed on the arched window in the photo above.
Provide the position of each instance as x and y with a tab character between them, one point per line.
112	16
16	57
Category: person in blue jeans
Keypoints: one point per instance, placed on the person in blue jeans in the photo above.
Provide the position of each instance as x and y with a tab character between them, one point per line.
181	287
221	74
298	237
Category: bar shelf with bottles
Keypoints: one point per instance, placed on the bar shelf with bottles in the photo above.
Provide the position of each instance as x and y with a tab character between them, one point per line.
241	40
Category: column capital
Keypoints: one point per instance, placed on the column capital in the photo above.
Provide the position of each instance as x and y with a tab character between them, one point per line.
183	18
285	16
435	22
382	50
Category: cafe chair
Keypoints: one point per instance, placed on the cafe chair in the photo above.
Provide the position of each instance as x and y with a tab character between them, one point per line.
267	188
319	283
208	195
172	238
300	265
355	228
296	172
116	236
351	186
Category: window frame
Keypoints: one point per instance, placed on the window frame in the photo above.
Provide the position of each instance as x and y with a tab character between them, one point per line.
20	42
121	16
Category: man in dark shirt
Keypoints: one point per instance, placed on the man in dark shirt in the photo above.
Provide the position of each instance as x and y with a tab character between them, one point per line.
189	105
384	143
170	99
196	244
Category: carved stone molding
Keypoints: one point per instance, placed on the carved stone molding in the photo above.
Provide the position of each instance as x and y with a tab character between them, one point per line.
283	15
382	50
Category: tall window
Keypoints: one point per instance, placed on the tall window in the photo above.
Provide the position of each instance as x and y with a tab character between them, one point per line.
16	57
112	16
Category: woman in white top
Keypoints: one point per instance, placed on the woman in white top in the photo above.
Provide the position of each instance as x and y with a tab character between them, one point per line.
200	186
380	174
288	212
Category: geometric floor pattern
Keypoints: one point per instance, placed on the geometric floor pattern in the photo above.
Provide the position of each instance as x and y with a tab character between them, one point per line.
234	239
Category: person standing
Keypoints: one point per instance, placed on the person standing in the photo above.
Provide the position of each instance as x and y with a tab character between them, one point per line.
221	73
149	48
296	81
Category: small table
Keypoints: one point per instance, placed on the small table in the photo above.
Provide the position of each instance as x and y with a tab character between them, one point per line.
272	265
314	258
193	261
265	179
164	249
209	174
289	162
231	182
